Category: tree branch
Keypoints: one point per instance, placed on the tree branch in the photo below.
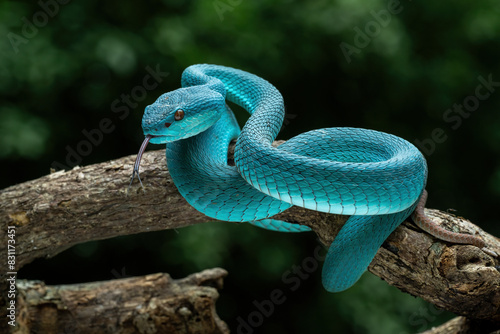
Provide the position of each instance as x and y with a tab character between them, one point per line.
462	325
93	204
459	278
148	304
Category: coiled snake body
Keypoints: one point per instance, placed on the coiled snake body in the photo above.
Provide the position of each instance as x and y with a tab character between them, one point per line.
375	177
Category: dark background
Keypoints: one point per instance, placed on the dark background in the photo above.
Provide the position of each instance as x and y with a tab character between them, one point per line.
62	66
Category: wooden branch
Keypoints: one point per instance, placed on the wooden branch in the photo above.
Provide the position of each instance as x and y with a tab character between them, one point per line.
149	304
459	278
62	209
462	325
59	210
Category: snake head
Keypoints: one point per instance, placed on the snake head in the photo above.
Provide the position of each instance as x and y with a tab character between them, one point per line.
182	113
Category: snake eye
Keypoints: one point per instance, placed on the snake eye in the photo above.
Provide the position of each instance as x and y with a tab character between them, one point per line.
179	114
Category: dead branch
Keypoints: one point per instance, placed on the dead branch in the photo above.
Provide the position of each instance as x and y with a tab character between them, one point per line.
462	325
148	304
62	209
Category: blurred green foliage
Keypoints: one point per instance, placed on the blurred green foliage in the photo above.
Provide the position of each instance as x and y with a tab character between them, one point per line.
61	73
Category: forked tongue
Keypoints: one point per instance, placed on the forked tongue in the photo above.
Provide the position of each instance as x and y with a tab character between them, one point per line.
138	161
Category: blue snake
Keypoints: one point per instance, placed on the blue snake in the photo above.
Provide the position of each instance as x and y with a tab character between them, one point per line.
374	177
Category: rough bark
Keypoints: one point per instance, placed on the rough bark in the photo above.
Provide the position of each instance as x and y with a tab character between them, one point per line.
93	203
149	304
462	325
459	278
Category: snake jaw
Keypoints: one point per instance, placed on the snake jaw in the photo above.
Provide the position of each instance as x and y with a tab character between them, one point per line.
161	139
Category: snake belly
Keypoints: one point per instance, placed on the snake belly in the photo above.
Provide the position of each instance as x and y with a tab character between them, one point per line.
374	177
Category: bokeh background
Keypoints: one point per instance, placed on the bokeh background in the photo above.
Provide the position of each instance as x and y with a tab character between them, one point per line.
386	65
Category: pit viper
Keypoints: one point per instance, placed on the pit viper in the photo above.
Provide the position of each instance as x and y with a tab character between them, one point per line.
374	177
